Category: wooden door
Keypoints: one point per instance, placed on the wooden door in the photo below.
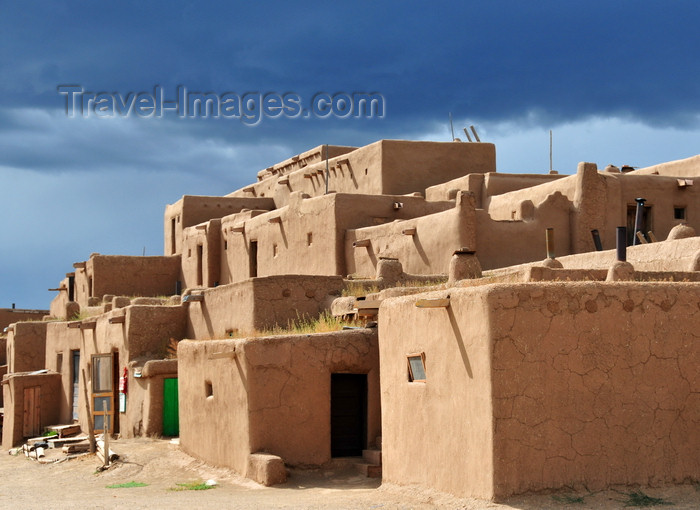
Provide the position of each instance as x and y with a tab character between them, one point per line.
75	375
171	417
32	415
102	393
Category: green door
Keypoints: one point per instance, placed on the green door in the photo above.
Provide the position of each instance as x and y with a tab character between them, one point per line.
171	418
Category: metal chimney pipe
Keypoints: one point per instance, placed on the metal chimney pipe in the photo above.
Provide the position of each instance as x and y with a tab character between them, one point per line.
638	218
549	242
596	240
621	244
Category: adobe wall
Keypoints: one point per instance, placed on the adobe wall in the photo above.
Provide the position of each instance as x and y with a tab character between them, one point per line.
122	275
487	185
580	384
272	395
438	433
146	393
26	345
299	161
201	258
259	303
686	168
308	236
3	350
595	385
423	245
389	167
144	334
207	418
502	243
3	371
11	315
13	390
61	341
600	200
191	210
61	305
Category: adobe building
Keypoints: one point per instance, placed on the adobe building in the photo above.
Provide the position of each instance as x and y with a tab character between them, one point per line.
578	370
294	400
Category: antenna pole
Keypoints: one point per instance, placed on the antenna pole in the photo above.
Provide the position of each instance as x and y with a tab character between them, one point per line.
550	151
328	173
452	129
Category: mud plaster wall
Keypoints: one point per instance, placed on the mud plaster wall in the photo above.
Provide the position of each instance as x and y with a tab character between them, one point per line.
62	340
13	391
595	384
427	251
438	433
58	305
308	236
259	303
384	167
145	394
26	346
126	276
592	384
273	396
144	335
201	255
11	315
3	350
501	243
689	167
487	185
191	210
213	403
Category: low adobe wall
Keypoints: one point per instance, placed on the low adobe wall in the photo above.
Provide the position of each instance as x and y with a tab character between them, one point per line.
11	315
146	393
13	389
675	255
122	275
26	345
259	303
423	245
688	167
271	394
543	386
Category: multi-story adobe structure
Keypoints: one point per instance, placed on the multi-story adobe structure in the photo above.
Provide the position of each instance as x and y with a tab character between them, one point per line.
575	371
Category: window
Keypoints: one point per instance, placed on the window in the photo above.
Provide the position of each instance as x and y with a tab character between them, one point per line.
59	362
208	389
679	213
416	367
101	373
309	238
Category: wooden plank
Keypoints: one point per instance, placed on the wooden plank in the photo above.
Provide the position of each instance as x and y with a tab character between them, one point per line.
433	303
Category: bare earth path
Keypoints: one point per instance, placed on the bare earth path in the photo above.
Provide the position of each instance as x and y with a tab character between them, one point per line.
76	484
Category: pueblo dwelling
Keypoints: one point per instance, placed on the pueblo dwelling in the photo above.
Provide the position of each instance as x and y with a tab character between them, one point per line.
494	334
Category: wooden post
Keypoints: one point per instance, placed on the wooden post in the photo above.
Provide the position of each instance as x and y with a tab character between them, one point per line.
105	433
91	427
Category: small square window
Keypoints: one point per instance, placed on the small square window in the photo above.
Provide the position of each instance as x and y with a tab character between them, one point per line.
416	367
679	213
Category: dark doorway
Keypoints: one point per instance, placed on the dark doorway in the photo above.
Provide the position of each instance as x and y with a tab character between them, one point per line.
75	376
646	223
200	265
253	258
348	414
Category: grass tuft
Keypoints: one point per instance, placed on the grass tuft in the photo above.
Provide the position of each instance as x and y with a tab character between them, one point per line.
127	485
192	486
567	499
638	498
325	323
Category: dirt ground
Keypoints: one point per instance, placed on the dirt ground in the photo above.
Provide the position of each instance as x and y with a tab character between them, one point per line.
76	483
